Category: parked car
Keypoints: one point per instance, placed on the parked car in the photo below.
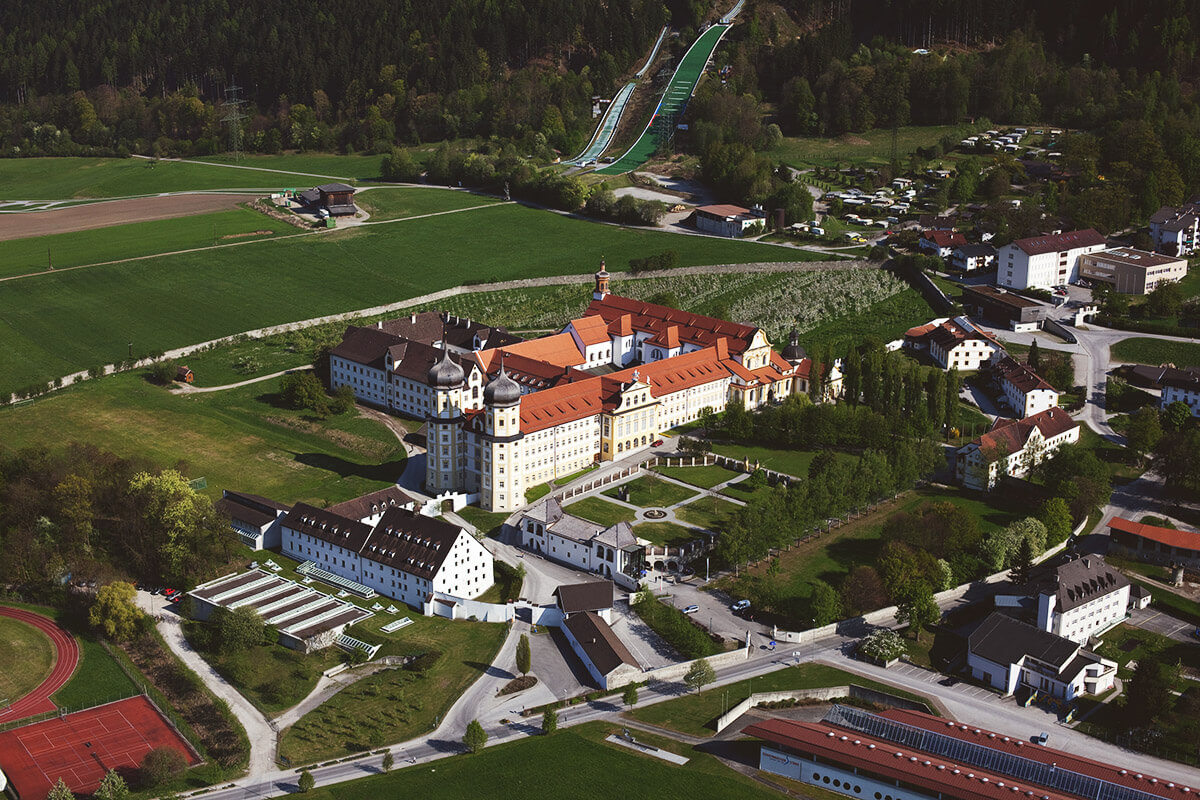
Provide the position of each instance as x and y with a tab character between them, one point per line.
740	605
657	443
1041	738
692	609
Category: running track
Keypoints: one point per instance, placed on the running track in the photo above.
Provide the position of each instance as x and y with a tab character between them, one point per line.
38	701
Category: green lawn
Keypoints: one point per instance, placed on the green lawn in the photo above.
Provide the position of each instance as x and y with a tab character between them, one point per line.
1126	643
710	513
396	202
235	438
507	586
575	762
832	555
241	361
272	677
886	321
484	521
696	714
664	534
344	167
397	704
649	492
27	655
705	477
600	511
869	148
67	178
1156	351
789	462
21	256
61	322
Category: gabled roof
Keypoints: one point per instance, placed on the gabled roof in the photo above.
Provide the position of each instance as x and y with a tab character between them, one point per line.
1009	436
411	542
944	238
668	337
695	329
1184	540
589	596
1058	242
591	330
598	641
975	250
366	346
724	210
531	373
1004	640
558	349
413	360
1020	375
431	327
374	503
955	331
327	526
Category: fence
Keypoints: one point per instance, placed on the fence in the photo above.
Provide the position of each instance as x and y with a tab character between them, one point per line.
735	464
603	480
158	700
824	693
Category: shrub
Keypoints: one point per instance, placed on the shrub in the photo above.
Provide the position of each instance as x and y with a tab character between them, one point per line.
675	627
883	645
160	765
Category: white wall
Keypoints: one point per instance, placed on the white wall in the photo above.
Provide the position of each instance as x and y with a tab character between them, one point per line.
832	778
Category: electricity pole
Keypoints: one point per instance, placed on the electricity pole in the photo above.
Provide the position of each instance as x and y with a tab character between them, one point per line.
232	116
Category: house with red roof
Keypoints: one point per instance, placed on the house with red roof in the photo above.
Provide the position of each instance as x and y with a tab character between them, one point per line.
955	343
940	243
1013	447
1027	392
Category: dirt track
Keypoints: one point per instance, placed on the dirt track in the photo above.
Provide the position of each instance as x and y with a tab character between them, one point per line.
20	225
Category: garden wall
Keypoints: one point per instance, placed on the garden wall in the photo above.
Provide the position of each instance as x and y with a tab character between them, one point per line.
675	672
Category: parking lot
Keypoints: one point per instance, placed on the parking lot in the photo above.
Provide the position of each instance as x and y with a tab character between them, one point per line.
1155	621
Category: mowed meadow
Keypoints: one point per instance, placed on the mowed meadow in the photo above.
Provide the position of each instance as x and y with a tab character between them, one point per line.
58	323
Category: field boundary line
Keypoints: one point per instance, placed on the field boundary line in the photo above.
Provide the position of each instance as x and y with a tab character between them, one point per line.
254	169
313	232
453	291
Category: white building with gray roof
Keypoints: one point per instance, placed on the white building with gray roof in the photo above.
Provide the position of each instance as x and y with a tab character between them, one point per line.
613	551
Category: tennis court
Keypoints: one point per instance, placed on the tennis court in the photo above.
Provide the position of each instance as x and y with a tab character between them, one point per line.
81	747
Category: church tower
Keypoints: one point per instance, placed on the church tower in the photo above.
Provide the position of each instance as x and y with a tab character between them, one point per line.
601	283
503	469
445	457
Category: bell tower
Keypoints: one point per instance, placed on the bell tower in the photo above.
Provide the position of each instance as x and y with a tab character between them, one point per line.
601	283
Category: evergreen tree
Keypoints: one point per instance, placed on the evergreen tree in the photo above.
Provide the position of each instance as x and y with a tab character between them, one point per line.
549	721
523	655
60	792
1034	358
112	787
852	376
1022	563
306	782
389	761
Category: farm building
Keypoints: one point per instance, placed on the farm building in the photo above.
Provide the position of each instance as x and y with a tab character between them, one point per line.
184	374
726	220
336	198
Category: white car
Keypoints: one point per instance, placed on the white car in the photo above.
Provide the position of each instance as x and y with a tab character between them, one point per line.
692	609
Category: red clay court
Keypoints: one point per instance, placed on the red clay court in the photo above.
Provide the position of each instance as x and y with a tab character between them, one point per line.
67	649
81	747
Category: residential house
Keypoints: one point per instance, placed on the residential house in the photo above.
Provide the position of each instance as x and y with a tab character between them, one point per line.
592	596
970	257
1013	448
1008	654
1076	598
955	344
611	551
1027	393
940	243
1181	386
1042	262
1174	230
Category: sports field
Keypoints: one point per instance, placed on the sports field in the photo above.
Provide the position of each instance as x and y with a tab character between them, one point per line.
27	655
22	256
674	100
235	438
81	747
55	324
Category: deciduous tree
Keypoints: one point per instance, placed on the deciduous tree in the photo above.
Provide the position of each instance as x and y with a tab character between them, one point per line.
115	612
475	738
699	675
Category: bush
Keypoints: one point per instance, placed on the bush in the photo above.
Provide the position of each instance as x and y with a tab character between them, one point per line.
161	765
675	627
163	372
883	645
668	259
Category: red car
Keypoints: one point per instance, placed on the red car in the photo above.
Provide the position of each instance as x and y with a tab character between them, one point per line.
658	443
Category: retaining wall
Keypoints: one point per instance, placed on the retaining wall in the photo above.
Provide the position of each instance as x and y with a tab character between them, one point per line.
823	693
675	672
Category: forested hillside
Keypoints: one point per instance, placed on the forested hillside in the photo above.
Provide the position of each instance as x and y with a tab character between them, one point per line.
121	74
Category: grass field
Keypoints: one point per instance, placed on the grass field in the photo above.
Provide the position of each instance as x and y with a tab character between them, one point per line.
651	492
27	655
789	462
709	513
67	178
871	148
696	714
831	556
575	762
21	256
1156	351
397	202
62	322
704	477
665	534
236	439
344	167
886	320
600	511
397	704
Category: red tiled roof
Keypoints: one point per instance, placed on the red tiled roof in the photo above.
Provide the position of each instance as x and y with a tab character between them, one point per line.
1020	375
559	350
1010	435
621	326
668	337
1184	540
1055	243
694	329
1041	754
945	238
934	774
724	210
591	330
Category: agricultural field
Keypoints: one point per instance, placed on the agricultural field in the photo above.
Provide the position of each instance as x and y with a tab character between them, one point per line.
58	323
34	254
328	165
74	178
1141	350
598	770
388	202
235	438
885	321
871	148
397	704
